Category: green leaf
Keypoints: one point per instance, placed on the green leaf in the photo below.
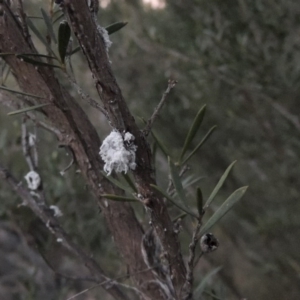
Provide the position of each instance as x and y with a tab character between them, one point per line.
23	110
64	34
115	27
154	151
34	17
117	183
190	180
36	62
177	183
74	51
20	93
130	182
181	216
210	131
173	201
193	130
119	198
36	55
49	25
218	186
199	201
200	288
5	76
6	54
39	35
160	145
223	209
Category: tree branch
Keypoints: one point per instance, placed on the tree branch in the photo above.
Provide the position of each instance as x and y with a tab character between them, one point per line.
47	217
171	85
92	43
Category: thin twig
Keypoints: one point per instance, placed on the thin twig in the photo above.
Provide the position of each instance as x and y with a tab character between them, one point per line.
86	97
85	278
190	265
114	281
47	127
293	119
171	85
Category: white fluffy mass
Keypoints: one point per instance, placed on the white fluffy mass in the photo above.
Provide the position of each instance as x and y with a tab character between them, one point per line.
118	153
33	180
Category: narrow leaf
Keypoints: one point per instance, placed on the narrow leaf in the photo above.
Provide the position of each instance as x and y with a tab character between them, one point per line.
36	62
223	209
181	216
64	34
20	93
210	131
49	25
173	201
6	75
36	55
58	18
154	151
23	110
74	51
190	180
54	14
117	183
177	183
199	201
130	182
6	54
160	145
34	17
193	130
115	27
218	186
119	198
39	35
200	288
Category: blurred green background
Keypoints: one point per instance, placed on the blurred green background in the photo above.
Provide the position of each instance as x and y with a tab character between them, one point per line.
242	59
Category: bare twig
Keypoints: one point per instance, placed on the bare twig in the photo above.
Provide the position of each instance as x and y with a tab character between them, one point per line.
86	97
115	281
187	288
171	85
47	217
46	126
74	278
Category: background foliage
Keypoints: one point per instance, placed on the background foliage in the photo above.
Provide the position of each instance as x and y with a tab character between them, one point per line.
241	58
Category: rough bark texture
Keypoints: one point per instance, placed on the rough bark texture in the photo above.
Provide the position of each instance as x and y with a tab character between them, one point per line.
76	131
